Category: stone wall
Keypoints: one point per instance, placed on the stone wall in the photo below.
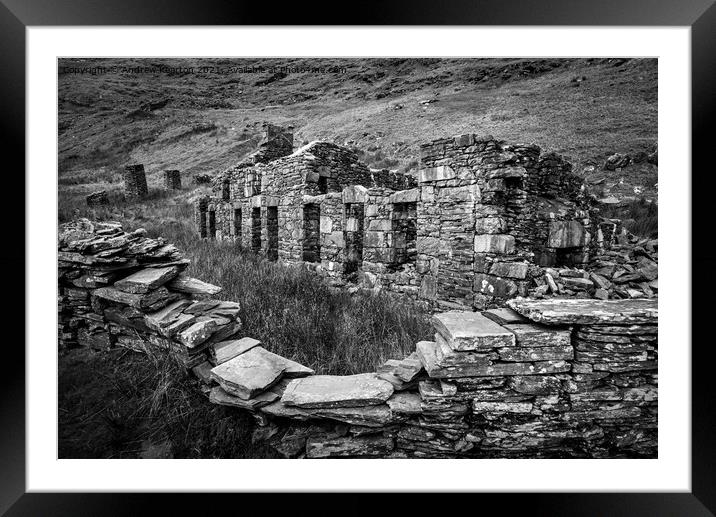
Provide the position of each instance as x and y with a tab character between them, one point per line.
557	378
489	211
482	222
320	176
135	181
172	179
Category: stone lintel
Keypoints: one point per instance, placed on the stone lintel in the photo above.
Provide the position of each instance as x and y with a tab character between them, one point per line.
355	194
441	172
405	196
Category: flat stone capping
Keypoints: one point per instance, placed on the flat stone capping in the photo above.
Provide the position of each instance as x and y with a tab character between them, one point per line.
471	331
581	311
147	279
323	391
227	350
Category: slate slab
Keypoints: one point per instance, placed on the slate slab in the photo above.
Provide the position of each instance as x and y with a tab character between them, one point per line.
199	331
183	283
405	370
504	315
446	356
147	279
138	301
534	335
348	446
471	331
249	373
220	396
540	353
571	311
203	372
225	350
329	391
368	416
164	317
405	403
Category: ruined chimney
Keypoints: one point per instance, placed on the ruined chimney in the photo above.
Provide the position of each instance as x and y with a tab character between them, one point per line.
135	181
277	142
172	180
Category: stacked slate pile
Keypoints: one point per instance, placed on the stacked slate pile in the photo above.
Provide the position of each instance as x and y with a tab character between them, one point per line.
120	288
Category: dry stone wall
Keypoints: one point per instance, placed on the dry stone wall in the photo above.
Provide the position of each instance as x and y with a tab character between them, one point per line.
543	378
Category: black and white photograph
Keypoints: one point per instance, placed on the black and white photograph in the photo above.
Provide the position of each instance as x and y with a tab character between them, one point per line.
271	250
316	258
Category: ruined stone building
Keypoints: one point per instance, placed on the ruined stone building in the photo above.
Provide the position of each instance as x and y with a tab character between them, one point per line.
471	231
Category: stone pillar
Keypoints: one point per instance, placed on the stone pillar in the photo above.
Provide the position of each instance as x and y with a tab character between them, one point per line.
200	210
172	180
135	181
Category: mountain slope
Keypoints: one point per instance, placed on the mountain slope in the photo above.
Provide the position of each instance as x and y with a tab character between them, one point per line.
201	121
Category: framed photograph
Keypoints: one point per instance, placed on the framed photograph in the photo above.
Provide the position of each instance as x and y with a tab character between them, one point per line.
419	253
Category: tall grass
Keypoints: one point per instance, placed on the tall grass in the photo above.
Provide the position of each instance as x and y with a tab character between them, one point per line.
122	404
291	310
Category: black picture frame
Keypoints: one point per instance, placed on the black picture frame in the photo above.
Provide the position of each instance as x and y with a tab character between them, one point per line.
700	15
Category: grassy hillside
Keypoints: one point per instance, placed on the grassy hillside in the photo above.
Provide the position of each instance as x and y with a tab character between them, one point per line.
204	121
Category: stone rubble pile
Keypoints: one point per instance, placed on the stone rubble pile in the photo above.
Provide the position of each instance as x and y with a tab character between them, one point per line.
98	198
627	269
618	161
548	378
